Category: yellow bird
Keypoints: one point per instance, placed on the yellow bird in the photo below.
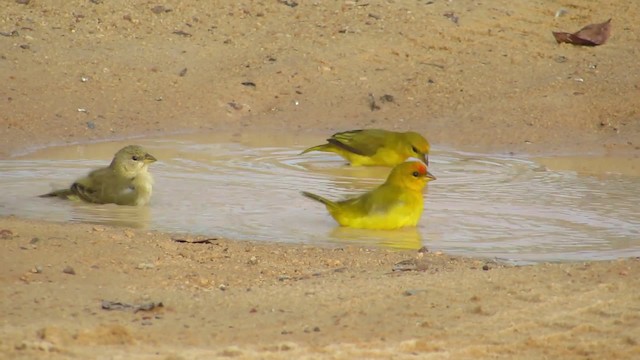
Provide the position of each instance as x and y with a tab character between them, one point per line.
126	181
372	147
395	204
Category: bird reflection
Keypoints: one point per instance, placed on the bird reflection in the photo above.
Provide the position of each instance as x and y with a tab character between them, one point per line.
137	217
408	238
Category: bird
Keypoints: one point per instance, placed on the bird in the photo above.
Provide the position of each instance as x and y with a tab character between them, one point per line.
397	203
376	147
126	181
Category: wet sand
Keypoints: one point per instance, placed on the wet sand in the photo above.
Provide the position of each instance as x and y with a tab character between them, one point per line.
495	81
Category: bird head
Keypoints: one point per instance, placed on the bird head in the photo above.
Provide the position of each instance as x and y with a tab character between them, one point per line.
411	174
418	146
131	160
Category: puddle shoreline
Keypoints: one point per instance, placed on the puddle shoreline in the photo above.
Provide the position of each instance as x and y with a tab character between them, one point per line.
247	187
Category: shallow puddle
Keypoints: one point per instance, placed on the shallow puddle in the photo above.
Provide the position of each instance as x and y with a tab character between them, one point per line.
247	187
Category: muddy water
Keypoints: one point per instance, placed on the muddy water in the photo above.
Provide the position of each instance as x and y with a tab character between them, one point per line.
247	187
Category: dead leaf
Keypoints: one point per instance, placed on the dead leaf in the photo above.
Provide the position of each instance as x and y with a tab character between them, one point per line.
590	35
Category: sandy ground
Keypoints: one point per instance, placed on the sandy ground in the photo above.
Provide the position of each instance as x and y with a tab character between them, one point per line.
483	76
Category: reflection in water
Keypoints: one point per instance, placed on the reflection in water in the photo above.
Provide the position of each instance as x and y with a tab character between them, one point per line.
110	214
402	239
481	205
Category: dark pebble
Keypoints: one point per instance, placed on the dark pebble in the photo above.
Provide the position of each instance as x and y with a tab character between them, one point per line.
289	3
159	9
91	125
69	270
423	250
387	98
182	33
485	267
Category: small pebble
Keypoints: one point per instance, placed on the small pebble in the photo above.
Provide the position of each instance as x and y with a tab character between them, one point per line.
561	59
145	266
6	234
69	270
37	269
91	125
159	9
561	12
485	267
387	98
412	292
253	260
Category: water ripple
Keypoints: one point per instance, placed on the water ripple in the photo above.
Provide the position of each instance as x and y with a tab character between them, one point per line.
481	205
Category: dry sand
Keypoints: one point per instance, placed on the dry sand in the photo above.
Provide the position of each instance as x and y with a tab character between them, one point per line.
493	80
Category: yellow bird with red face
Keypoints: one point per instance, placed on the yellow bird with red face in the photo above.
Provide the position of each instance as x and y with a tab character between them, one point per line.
397	203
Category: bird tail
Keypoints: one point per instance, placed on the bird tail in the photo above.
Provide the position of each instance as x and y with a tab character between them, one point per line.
323	147
64	193
319	198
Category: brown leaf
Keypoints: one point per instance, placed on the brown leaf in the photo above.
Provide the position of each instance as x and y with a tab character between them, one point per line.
590	35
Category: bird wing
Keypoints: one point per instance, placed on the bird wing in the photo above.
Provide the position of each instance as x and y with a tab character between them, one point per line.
379	201
85	193
92	188
361	142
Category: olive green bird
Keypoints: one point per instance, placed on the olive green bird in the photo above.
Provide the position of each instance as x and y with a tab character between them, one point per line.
126	181
371	147
396	203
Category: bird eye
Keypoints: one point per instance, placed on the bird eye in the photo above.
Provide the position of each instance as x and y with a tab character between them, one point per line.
413	148
415	174
135	158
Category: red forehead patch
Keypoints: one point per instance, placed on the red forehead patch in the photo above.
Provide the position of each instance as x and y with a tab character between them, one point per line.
421	167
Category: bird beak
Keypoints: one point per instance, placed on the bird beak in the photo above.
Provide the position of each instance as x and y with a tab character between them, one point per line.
430	176
425	159
148	158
